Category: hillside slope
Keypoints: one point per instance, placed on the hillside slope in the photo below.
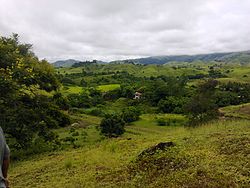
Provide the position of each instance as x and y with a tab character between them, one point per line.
214	155
233	57
65	63
229	57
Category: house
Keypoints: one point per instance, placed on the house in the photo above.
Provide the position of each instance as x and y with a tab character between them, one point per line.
137	95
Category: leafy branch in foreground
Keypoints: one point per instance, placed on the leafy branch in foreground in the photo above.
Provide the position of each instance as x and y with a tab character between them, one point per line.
25	113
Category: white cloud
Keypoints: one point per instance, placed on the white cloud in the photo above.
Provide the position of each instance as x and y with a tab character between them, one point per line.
115	29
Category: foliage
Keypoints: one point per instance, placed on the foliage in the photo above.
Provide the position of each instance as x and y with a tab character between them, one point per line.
201	107
25	114
213	73
130	114
80	64
172	104
225	98
242	90
67	81
162	87
127	91
96	112
112	125
86	99
79	100
61	101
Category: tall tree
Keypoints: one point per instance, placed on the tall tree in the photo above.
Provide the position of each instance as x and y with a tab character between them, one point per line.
24	111
202	106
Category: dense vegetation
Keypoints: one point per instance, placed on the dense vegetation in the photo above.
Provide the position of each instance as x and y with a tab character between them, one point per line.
27	114
93	122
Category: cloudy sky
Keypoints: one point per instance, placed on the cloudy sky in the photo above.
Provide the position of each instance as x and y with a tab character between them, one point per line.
118	29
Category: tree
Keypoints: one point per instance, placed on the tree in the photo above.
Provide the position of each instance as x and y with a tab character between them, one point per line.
61	101
161	87
83	82
24	112
172	104
127	91
130	114
202	107
226	98
112	125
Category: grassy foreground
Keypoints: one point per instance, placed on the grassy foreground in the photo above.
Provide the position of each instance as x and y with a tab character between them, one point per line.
214	155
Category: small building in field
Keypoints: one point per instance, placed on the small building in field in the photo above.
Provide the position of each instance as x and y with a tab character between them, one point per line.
137	95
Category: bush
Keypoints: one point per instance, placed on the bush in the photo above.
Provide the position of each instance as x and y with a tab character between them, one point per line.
130	114
172	104
112	125
226	98
74	134
38	145
67	81
96	112
61	101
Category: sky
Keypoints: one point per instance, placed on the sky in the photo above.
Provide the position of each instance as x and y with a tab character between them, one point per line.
123	29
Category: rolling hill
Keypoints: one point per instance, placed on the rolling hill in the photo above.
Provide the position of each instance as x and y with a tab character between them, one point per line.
229	57
65	63
233	57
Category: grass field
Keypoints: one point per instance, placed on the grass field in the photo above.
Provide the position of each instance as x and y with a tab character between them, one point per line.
213	155
69	70
237	111
233	73
109	87
138	70
72	90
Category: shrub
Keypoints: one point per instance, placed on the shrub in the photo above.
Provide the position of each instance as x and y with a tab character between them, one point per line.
130	114
172	104
70	140
96	112
112	125
61	101
74	134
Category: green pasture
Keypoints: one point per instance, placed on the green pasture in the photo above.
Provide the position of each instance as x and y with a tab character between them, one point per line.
151	119
69	70
137	70
208	156
66	90
237	111
109	87
240	73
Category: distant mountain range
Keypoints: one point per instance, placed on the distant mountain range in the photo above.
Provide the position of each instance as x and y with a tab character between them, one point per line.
65	63
232	57
70	62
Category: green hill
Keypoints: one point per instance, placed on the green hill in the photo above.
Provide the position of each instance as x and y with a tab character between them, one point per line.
65	63
232	57
214	155
229	57
180	124
237	111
